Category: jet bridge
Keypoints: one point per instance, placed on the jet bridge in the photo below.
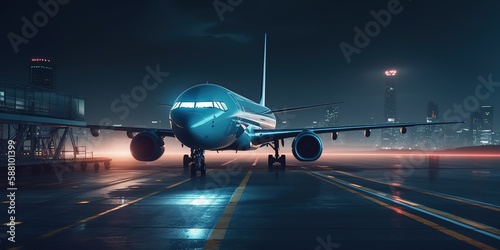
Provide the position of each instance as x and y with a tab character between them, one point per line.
42	123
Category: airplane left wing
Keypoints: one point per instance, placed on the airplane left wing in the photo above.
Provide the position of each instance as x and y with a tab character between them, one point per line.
54	122
261	136
160	131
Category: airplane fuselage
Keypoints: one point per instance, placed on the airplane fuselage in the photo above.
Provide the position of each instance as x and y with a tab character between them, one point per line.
211	117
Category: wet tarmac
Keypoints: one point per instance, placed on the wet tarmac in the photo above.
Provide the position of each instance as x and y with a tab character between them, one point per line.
338	202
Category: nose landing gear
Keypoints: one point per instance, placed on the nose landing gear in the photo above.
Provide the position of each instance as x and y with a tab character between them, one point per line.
197	160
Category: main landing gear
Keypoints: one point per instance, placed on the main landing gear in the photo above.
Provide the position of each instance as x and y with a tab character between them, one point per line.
196	161
276	158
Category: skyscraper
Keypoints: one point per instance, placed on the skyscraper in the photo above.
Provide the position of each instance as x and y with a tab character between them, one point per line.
486	125
482	126
475	125
42	73
432	112
432	131
389	135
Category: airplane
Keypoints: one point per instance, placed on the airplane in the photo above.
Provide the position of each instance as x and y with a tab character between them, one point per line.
210	117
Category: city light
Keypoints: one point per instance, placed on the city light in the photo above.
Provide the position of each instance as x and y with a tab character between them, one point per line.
40	60
391	72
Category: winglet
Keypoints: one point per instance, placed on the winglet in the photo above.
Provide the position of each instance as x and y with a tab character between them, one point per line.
263	90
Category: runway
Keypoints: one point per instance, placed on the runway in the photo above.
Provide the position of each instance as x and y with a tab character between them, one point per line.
350	201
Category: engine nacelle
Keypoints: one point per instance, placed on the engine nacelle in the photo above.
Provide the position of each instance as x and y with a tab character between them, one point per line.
403	130
368	133
130	135
307	146
335	135
147	146
95	132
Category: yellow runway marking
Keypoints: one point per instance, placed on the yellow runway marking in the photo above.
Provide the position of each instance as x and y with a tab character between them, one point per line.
50	234
412	216
219	232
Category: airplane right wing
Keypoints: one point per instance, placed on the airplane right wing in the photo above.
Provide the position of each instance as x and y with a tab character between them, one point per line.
262	136
276	111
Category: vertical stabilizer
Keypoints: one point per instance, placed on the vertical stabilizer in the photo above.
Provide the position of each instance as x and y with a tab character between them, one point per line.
263	90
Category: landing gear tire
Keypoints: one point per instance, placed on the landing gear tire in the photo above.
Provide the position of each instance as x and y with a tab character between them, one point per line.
185	161
203	170
282	161
197	160
193	170
270	161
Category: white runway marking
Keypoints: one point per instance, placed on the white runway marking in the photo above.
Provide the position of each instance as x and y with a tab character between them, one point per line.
465	223
256	160
224	164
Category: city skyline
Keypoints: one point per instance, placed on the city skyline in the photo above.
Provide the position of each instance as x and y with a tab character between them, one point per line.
442	55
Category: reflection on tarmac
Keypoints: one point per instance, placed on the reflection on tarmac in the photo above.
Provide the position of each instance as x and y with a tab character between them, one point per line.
341	201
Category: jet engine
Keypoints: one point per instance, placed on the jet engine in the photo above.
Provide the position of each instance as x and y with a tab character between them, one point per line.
403	130
95	132
307	146
147	146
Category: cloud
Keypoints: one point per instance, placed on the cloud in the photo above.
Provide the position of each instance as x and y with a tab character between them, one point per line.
207	30
166	21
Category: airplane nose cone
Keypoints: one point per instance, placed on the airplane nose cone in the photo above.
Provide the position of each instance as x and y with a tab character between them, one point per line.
188	128
187	120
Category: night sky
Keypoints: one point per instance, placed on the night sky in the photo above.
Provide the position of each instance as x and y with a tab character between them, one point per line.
101	49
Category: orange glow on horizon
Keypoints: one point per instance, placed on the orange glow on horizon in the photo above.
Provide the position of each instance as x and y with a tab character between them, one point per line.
471	155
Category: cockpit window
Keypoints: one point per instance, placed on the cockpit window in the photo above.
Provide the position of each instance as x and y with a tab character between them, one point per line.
224	107
186	105
218	105
204	105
